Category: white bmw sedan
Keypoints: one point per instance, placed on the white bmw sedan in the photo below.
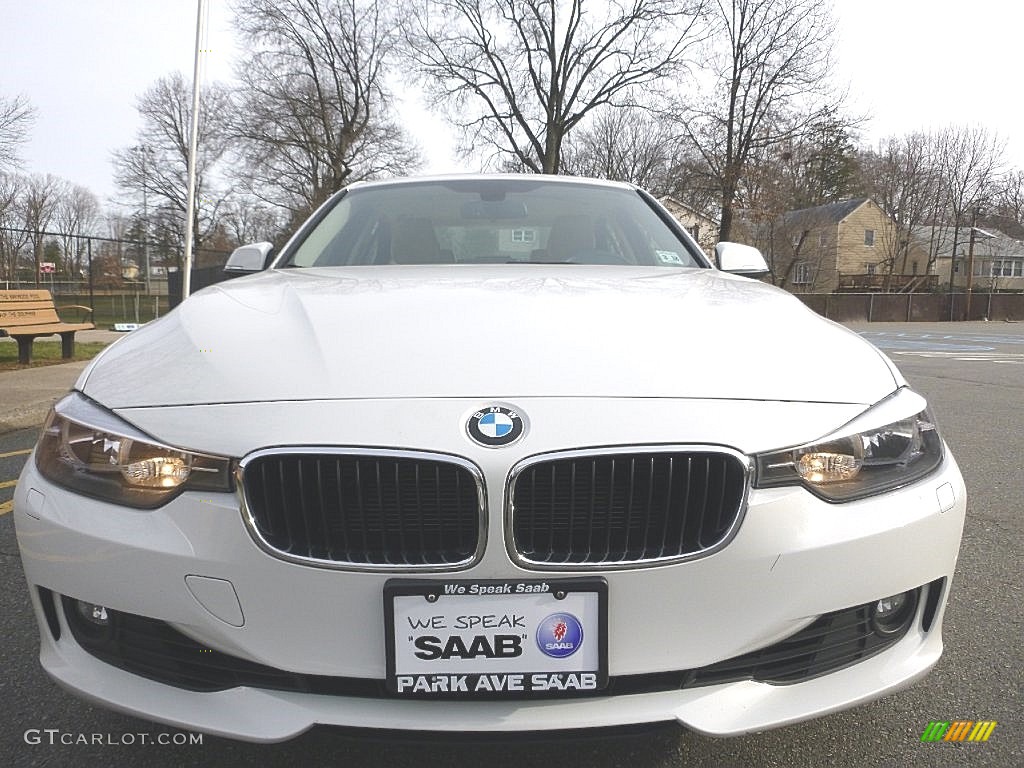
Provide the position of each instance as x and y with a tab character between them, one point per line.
489	454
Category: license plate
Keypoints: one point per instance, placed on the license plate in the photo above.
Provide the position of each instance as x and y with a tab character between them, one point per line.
515	638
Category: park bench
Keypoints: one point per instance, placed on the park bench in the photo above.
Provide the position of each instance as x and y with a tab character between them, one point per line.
24	315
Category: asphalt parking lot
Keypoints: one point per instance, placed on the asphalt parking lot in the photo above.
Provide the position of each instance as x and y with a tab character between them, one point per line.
973	374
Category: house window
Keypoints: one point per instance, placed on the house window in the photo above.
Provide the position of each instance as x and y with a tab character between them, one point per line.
802	274
1018	269
822	239
913	267
869	268
523	235
694	232
869	237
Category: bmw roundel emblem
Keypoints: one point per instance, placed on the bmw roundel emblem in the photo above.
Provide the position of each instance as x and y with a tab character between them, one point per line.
495	426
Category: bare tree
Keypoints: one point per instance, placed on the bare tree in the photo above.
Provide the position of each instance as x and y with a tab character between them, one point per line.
12	234
770	59
16	117
516	76
77	214
812	167
247	220
41	197
902	177
1008	210
624	144
316	114
969	160
156	166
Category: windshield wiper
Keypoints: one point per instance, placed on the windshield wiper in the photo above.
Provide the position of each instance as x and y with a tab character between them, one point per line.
516	261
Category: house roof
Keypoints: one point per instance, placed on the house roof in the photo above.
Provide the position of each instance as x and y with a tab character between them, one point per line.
669	202
988	243
821	215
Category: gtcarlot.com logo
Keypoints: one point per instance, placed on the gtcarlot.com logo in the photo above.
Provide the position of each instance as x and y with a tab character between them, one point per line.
958	730
57	737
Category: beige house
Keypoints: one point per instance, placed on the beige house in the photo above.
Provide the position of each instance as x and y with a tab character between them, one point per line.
703	228
997	259
850	245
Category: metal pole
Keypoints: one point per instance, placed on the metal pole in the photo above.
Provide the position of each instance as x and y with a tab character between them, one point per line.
952	264
145	215
970	265
92	300
190	208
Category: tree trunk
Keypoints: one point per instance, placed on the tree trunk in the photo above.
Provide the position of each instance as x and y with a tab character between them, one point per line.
725	226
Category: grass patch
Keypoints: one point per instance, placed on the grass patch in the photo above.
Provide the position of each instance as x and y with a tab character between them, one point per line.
45	353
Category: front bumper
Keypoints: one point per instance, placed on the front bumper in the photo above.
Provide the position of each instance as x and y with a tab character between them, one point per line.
793	558
267	716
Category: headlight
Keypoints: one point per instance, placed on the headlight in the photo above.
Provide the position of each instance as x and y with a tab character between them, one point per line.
890	445
89	450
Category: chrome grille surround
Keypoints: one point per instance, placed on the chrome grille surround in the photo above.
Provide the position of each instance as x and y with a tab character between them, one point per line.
743	466
368	453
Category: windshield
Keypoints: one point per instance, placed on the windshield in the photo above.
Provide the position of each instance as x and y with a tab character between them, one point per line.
492	221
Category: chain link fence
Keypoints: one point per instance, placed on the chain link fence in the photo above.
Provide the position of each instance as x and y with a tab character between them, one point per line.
122	280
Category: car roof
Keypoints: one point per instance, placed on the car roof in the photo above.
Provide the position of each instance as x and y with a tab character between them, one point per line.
556	179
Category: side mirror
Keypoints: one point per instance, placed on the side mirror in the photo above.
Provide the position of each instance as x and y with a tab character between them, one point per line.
249	258
740	259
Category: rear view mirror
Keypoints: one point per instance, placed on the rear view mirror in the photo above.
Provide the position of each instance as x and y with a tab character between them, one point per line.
492	210
249	258
740	259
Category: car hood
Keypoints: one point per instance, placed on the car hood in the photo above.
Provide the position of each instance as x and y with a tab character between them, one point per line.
488	332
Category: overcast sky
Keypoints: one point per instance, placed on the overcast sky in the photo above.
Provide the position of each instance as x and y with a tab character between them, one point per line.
910	64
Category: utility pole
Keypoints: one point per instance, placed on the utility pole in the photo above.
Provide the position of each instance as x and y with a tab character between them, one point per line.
145	218
186	278
970	263
144	151
952	266
92	298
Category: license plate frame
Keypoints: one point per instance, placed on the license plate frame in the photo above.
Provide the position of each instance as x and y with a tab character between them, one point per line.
503	602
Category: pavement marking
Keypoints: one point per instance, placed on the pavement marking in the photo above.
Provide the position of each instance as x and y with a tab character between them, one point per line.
1012	358
8	483
6	506
15	453
962	337
907	344
965	348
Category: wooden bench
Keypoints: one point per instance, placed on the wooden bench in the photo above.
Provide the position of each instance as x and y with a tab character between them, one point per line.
24	315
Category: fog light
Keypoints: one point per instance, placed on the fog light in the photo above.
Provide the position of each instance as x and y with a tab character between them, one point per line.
94	614
892	614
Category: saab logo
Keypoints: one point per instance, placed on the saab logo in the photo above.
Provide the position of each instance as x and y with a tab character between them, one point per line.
503	647
559	635
560	629
958	730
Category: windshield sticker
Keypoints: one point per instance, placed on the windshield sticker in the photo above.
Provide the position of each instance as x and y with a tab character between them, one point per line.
669	257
